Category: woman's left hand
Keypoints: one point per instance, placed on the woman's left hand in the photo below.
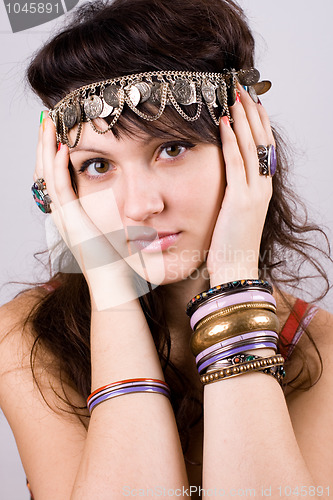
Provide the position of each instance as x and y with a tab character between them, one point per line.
235	244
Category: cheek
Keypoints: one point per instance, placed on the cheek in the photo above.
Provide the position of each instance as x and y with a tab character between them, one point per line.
102	209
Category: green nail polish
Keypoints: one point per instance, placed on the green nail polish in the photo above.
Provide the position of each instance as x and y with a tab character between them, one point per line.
41	117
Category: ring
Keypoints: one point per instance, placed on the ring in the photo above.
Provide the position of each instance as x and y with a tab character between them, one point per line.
41	197
267	160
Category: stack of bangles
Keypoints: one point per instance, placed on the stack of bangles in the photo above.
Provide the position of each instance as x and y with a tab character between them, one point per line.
229	322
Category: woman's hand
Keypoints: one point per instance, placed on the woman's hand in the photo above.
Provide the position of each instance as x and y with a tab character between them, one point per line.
234	250
108	275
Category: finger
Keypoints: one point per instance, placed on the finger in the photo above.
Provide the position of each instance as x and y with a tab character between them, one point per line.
245	141
266	124
38	173
259	132
234	165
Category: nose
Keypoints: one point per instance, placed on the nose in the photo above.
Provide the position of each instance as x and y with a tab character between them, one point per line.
143	196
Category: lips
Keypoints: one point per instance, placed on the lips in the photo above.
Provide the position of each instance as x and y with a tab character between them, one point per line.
150	240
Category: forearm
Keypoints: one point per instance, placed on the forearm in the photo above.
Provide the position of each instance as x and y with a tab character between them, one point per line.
248	437
132	440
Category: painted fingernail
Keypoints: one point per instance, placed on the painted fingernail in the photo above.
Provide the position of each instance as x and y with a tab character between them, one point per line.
41	117
238	97
59	146
226	121
259	102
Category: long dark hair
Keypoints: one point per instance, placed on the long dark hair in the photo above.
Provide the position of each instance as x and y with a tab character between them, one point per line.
105	40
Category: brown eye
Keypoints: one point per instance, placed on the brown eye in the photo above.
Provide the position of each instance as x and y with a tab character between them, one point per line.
172	151
100	166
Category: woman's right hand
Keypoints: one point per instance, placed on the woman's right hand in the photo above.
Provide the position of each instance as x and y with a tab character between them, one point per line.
108	275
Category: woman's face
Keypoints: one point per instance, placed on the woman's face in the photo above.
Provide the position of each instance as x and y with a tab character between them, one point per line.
165	192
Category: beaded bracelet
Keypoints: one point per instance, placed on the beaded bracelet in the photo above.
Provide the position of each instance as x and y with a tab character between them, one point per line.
227	289
126	387
236	359
272	365
259	344
215	304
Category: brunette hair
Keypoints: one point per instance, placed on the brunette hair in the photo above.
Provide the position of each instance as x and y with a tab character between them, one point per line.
108	39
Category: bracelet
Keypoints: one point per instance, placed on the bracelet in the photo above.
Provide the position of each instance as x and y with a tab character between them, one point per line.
223	328
235	308
268	343
243	357
246	336
272	365
126	387
214	304
227	289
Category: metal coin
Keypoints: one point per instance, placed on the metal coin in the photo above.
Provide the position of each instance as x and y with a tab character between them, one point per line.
155	92
70	116
248	76
144	89
208	92
184	92
93	106
262	87
107	110
232	94
221	96
134	95
110	95
253	94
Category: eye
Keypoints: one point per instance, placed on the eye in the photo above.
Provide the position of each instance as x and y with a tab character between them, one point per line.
95	167
174	149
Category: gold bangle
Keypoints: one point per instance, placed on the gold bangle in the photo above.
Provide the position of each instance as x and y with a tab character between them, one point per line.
236	307
235	371
237	323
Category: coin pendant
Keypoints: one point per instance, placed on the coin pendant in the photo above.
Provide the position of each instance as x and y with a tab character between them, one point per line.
208	92
155	92
232	95
93	106
248	76
70	116
134	95
184	92
144	89
221	96
110	95
253	94
107	110
262	87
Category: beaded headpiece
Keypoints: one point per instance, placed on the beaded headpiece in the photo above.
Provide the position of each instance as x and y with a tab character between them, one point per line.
180	89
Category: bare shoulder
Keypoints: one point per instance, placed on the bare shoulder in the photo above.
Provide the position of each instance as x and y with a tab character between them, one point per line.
50	441
16	338
311	411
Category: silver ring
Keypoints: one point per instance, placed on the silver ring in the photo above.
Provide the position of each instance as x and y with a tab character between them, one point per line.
267	160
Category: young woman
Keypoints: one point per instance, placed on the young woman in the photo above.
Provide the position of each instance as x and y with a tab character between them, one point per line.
164	178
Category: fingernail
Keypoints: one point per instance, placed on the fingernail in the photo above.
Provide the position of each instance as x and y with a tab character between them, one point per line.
238	97
59	146
259	102
41	117
226	121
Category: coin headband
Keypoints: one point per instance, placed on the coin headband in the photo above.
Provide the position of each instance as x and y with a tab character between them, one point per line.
179	89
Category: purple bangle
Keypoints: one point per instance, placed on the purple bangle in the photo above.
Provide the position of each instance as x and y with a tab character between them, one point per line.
232	340
128	390
216	304
125	385
236	350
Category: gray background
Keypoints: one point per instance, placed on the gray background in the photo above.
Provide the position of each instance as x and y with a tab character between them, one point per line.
294	51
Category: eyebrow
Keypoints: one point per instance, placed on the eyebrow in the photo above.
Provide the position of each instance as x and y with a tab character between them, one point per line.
91	150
